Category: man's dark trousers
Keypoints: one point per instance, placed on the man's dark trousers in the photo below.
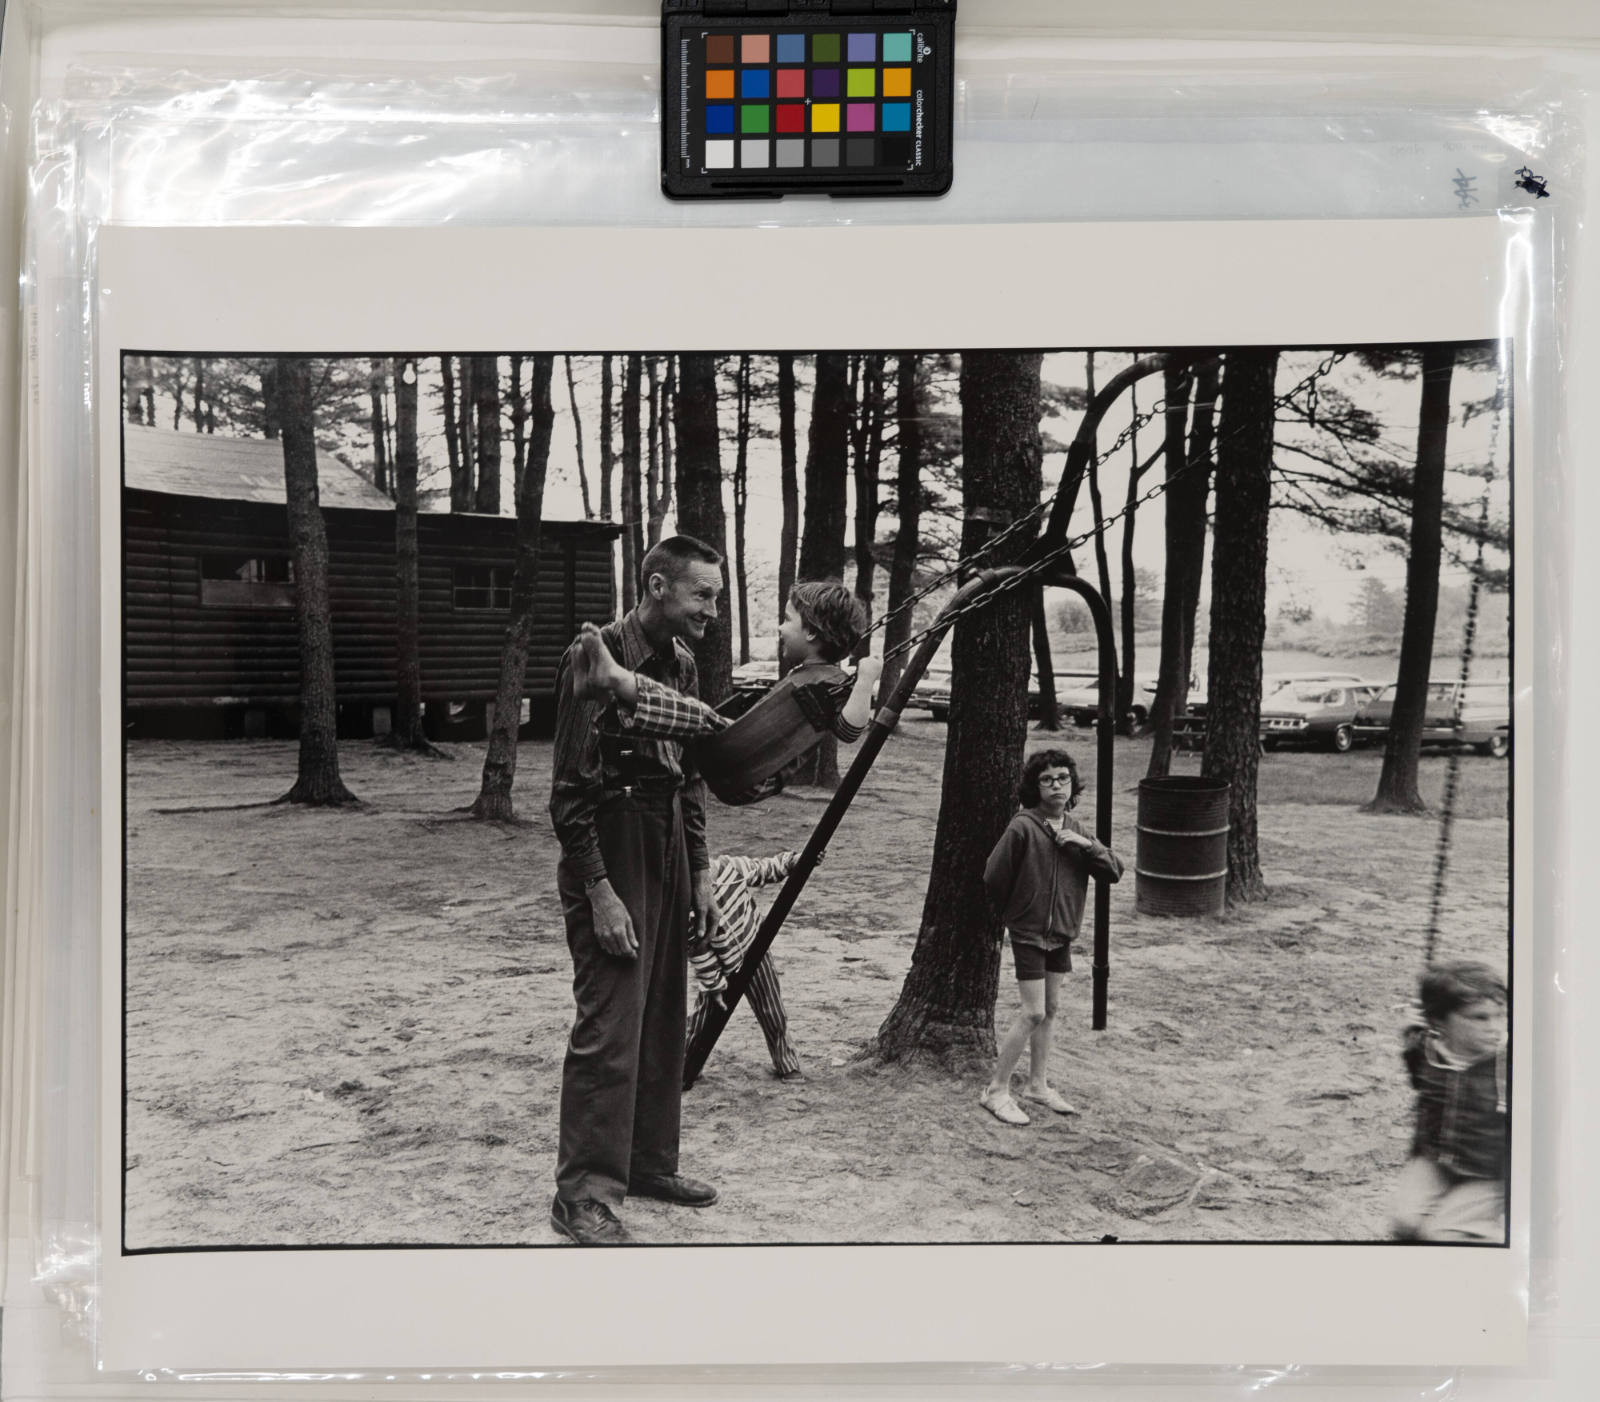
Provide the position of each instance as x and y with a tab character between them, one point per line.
622	1082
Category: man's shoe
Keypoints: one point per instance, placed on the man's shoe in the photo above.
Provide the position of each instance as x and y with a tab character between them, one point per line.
672	1187
588	1222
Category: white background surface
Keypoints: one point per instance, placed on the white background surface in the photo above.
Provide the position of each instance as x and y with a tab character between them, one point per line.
44	1359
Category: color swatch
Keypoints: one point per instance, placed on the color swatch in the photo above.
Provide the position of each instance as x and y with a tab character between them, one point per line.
829	101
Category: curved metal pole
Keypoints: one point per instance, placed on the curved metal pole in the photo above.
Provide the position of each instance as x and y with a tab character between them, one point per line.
1105	728
878	731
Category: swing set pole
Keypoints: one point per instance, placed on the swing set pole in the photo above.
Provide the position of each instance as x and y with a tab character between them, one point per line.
879	729
1105	733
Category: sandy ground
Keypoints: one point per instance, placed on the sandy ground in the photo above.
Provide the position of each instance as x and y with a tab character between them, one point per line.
347	1027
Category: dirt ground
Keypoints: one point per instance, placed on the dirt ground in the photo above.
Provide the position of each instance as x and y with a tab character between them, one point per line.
347	1027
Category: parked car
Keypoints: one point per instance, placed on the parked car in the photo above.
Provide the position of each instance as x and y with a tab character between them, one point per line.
1189	729
1078	696
933	691
1484	722
1315	713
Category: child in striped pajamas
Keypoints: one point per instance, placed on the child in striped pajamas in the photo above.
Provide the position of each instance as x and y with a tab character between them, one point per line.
733	879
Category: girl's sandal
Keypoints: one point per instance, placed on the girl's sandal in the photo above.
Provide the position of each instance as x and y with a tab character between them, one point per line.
1051	1097
1003	1107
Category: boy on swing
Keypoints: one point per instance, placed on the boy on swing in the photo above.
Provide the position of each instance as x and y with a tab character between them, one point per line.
1038	875
822	624
1454	1186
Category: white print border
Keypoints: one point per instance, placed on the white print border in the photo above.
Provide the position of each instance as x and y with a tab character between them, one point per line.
1290	283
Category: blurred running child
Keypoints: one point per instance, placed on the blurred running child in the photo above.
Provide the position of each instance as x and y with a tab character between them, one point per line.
1454	1187
715	960
1038	874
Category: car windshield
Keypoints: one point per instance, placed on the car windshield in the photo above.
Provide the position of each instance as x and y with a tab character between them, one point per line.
1317	695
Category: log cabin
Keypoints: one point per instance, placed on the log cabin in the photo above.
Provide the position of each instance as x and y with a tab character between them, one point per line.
210	644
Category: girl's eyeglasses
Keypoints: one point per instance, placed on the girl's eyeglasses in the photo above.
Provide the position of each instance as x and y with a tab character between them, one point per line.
1055	781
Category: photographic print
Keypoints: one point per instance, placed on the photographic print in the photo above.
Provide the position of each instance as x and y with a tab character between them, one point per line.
684	795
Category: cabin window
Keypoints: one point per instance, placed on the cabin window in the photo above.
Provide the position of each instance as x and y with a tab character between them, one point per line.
482	587
247	581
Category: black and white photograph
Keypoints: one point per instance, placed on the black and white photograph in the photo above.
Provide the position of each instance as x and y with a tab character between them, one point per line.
645	791
429	895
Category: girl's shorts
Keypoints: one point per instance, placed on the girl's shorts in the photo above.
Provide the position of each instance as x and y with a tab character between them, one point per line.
1034	962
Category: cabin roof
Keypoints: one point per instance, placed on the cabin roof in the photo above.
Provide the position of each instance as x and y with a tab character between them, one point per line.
232	469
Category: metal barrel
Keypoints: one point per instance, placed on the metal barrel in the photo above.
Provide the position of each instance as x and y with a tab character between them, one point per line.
1182	862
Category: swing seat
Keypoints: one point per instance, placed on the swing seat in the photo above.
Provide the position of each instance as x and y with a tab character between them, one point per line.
740	763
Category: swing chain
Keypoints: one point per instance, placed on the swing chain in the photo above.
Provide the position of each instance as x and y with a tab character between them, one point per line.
1452	775
1042	563
1138	421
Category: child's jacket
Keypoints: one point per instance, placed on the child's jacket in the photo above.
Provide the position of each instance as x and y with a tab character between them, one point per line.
732	880
1039	885
1461	1114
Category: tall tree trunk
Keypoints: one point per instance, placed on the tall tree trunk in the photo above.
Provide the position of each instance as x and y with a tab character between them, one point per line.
486	399
149	395
269	401
1239	604
406	729
519	429
669	399
577	433
654	511
466	404
199	394
827	470
908	509
741	502
460	475
789	532
607	459
632	529
868	455
1044	671
380	458
500	763
1397	784
946	1008
822	550
318	781
700	512
1096	502
1184	528
1129	601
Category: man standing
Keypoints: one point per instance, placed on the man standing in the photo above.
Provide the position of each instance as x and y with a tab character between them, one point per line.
635	885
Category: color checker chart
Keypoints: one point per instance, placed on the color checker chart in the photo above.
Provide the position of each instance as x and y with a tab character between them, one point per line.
844	97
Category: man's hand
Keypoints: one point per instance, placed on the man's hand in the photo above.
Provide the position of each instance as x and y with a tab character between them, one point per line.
705	920
612	927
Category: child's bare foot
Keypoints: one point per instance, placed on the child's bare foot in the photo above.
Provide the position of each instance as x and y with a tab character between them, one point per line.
1050	1096
595	671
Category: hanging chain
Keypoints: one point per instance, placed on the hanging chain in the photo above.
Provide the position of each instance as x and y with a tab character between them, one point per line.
1452	774
1043	562
966	562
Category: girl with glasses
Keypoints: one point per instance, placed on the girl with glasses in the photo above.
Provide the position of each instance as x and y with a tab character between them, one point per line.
1038	875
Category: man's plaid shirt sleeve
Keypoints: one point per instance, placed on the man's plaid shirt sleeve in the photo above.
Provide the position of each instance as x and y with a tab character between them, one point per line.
660	713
